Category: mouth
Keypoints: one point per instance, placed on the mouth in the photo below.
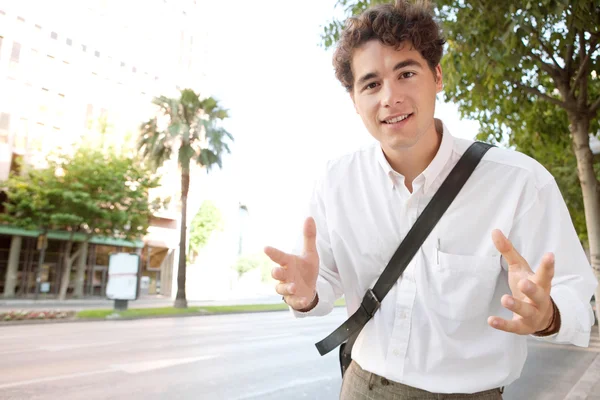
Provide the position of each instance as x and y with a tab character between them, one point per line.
396	120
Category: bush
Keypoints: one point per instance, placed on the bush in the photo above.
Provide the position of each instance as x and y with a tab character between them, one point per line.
24	315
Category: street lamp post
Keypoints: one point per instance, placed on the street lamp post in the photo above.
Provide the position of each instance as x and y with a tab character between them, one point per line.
243	212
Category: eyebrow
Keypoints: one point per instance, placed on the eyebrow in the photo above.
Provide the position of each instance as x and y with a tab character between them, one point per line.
400	65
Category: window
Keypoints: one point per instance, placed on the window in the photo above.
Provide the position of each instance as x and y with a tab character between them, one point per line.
54	35
1	39
22	134
4	127
43	104
69	42
97	54
4	121
37	136
16	53
60	111
83	48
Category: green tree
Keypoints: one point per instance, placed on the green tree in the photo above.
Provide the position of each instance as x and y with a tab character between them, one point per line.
33	199
205	222
527	71
89	193
249	262
109	194
189	126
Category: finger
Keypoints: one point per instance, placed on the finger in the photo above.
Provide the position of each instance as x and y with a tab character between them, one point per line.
279	274
513	326
505	247
297	303
310	236
278	256
285	289
517	306
534	292
545	272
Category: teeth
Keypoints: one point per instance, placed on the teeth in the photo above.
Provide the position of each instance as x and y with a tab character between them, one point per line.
397	119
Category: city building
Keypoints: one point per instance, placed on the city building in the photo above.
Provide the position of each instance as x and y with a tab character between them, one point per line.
88	70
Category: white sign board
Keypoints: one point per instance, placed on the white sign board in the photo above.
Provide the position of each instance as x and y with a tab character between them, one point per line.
122	276
45	287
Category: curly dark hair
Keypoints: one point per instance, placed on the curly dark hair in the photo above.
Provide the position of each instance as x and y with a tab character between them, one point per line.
391	24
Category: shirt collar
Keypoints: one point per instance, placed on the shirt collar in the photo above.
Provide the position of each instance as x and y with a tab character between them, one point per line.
434	168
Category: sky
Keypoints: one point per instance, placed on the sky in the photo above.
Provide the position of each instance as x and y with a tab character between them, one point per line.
288	113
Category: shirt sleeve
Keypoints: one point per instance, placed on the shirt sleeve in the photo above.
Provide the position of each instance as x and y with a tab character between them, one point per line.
329	287
544	227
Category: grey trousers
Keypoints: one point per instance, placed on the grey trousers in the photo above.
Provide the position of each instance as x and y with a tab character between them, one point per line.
359	384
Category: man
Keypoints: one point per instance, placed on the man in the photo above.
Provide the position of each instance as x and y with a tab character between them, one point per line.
503	262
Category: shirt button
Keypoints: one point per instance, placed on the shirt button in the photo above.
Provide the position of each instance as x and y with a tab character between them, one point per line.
396	352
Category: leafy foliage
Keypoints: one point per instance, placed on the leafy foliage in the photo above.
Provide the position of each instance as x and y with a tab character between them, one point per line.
247	263
89	191
189	127
527	71
205	222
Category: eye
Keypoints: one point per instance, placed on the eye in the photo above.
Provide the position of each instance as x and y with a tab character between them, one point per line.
371	85
407	74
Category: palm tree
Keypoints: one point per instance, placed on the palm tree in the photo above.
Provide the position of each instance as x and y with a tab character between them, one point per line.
189	126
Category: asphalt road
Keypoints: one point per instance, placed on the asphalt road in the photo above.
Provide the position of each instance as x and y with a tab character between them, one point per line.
263	356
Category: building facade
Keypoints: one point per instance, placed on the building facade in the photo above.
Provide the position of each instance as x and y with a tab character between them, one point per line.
73	71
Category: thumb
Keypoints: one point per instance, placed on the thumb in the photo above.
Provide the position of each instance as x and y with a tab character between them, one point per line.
310	236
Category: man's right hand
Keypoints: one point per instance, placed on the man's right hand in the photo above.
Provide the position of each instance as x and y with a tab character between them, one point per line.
297	275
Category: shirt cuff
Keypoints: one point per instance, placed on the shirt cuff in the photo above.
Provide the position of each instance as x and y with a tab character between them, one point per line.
325	302
572	330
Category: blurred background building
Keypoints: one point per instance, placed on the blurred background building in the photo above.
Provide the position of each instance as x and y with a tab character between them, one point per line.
88	70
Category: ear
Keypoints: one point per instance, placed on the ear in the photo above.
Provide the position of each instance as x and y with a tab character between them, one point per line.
439	82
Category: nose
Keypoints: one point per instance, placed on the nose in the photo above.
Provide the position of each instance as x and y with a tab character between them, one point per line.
391	95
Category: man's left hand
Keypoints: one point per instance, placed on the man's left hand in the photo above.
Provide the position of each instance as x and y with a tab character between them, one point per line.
530	301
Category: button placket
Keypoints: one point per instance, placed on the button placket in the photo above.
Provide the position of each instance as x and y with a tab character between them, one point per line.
401	330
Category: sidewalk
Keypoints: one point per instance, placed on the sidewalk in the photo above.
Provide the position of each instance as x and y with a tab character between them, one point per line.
142	302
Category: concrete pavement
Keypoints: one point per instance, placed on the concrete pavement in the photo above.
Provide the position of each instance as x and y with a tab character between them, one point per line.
262	356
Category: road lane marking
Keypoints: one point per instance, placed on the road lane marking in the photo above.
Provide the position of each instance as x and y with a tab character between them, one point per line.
61	347
144	366
130	368
55	378
19	351
263	337
583	387
294	383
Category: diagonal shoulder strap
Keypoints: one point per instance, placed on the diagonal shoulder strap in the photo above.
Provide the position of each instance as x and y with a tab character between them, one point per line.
408	248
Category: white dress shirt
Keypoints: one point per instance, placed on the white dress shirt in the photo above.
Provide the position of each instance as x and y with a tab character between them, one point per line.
431	331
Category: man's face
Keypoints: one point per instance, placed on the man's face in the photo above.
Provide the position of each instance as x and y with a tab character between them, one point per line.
394	93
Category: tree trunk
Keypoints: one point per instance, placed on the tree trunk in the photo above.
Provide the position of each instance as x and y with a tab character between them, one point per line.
67	264
591	194
180	299
10	282
81	266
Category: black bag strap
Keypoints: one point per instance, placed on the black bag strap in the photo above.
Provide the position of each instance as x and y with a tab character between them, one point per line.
408	248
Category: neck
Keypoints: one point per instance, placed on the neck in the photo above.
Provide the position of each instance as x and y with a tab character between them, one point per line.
412	161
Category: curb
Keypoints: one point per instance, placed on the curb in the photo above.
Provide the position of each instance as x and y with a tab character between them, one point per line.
71	320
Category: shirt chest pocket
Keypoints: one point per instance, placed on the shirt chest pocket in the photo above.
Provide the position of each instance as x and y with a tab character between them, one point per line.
463	286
